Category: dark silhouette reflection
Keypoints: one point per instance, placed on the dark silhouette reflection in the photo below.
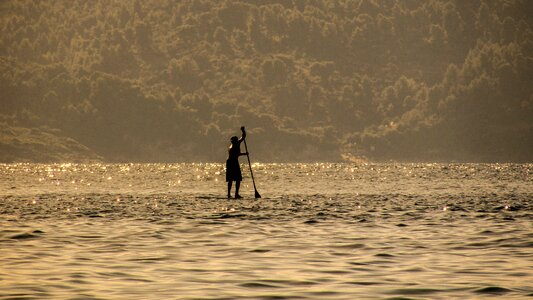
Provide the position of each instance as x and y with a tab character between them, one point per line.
233	169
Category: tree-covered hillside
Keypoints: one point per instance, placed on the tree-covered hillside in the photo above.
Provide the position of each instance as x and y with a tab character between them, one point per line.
163	80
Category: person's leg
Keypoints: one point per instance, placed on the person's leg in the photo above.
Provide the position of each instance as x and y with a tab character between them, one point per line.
229	189
237	186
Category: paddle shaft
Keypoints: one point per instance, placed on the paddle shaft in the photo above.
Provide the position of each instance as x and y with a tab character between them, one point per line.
250	165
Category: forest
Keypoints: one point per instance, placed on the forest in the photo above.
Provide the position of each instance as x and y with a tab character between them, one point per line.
312	80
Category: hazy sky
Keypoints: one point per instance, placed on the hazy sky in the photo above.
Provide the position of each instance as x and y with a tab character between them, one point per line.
312	80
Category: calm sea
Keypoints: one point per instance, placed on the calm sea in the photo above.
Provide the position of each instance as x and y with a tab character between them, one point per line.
320	231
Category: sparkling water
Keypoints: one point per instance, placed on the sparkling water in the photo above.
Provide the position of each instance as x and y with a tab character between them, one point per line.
320	231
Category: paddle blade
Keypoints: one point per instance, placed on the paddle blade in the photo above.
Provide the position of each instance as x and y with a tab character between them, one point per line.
257	194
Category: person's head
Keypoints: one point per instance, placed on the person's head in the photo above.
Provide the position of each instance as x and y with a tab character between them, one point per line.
234	139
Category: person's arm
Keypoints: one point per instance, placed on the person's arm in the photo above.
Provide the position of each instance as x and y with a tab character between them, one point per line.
243	136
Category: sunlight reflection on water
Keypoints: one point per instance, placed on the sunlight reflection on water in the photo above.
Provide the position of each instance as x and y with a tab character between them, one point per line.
335	231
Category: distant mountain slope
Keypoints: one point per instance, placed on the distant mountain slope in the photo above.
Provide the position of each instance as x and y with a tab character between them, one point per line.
41	145
312	80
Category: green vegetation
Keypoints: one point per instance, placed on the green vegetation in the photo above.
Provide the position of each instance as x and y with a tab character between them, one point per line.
312	80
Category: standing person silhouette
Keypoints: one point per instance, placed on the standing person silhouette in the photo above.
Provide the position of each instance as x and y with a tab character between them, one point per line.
233	169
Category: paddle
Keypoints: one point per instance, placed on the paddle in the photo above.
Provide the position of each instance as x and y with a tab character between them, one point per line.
250	164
